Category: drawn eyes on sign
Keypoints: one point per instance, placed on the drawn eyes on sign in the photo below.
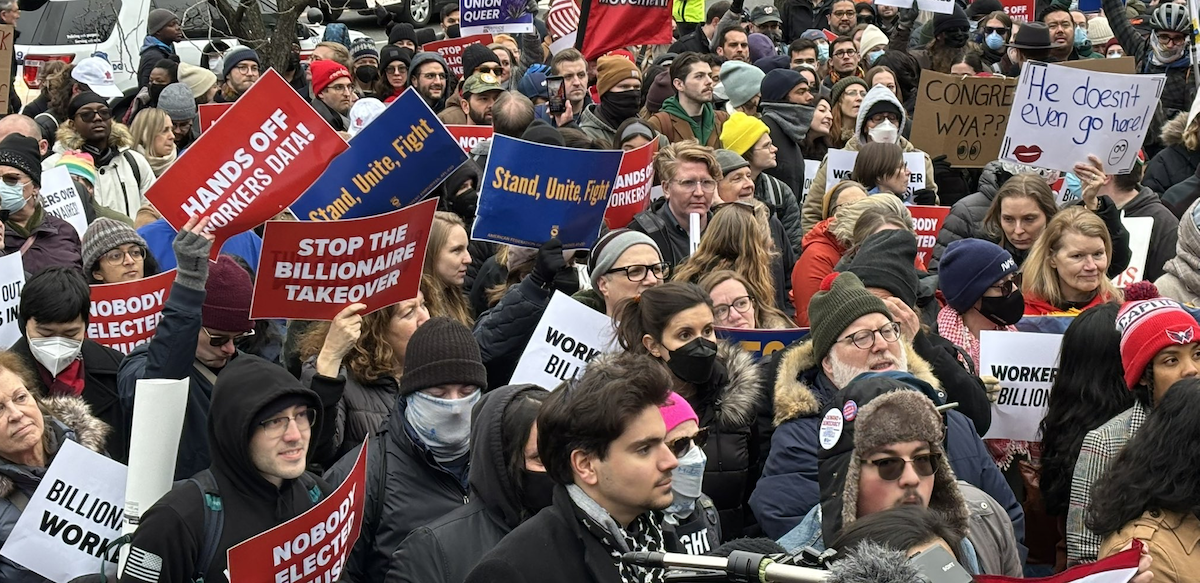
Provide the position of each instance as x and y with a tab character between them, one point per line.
1118	152
969	150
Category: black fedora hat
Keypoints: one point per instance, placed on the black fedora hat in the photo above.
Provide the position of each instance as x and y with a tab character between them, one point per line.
1033	36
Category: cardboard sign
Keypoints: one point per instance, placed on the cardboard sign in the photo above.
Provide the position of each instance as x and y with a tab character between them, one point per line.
962	117
74	514
1020	10
568	336
211	112
1026	364
939	6
451	50
311	274
494	17
469	136
839	166
12	281
60	199
396	160
1124	65
7	41
761	343
631	195
310	547
1061	114
532	193
1139	229
124	315
251	165
927	222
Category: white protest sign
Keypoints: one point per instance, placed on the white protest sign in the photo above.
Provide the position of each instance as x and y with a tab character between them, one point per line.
158	406
12	280
839	166
1061	114
942	6
73	515
60	198
568	336
810	170
1139	245
1026	364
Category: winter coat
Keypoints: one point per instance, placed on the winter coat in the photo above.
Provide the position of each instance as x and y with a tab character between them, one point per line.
693	42
782	264
445	550
363	408
453	114
659	224
65	418
698	534
1037	306
789	488
788	124
153	51
596	128
1163	235
1181	275
503	331
822	251
100	365
1099	450
492	273
1175	163
416	490
781	198
801	15
674	123
1172	540
55	243
965	220
118	185
1180	87
331	117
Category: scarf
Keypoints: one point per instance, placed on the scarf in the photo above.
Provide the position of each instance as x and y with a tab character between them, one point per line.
1160	56
69	381
100	157
160	163
644	534
35	221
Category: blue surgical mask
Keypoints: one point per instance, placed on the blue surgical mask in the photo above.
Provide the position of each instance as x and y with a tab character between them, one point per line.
686	481
12	196
1080	37
994	41
822	53
874	56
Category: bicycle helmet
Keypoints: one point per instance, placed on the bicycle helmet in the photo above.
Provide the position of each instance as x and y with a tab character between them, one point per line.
1171	17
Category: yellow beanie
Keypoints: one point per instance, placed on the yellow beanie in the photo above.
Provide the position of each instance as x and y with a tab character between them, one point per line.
741	132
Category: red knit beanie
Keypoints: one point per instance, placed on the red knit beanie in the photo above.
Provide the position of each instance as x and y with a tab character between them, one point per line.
1148	326
227	297
325	72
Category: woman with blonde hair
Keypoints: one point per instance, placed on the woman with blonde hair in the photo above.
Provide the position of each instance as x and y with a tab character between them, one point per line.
842	193
1067	269
446	263
735	306
737	239
154	137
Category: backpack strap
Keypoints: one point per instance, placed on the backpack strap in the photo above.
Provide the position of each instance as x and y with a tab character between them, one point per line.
665	126
137	171
214	521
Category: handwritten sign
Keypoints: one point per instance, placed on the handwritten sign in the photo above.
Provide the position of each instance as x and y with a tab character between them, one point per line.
1026	364
60	199
451	50
1061	114
962	117
469	136
631	195
7	40
566	339
927	223
124	315
839	166
939	6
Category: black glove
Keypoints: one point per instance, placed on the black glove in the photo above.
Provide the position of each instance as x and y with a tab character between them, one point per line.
908	17
924	197
737	6
941	165
548	264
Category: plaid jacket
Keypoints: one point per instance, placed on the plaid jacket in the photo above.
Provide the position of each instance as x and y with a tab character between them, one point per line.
1100	448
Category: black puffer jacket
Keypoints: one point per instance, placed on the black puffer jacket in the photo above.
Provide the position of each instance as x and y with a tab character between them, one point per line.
363	408
503	331
1175	163
965	220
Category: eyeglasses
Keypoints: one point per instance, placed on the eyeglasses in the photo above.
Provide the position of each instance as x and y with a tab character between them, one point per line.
884	116
845	53
15	180
1170	39
247	69
493	70
742	305
891	468
91	115
863	339
396	69
433	76
854	93
341	88
680	447
277	426
637	273
117	256
222	340
707	185
1008	286
844	14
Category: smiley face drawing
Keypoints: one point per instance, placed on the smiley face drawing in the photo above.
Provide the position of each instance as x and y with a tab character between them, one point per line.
1118	152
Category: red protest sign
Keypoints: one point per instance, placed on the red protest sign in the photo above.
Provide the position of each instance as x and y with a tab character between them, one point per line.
468	136
1019	10
258	159
124	315
210	113
309	547
311	274
631	193
927	221
451	49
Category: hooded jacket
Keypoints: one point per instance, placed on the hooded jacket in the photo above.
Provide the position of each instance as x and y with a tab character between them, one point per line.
1181	275
445	550
152	51
788	488
595	127
1163	235
118	186
788	124
1175	162
965	220
64	418
424	57
675	123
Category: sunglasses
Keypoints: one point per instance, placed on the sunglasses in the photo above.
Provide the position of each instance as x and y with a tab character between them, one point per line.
890	468
221	340
90	116
680	447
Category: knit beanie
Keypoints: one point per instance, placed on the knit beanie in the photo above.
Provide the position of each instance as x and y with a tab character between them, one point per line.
741	81
980	8
1099	31
778	83
741	132
773	62
227	297
676	411
872	37
198	79
403	31
442	352
729	161
609	249
362	48
325	73
840	300
613	69
104	235
390	54
336	32
21	152
543	133
760	46
176	99
238	55
968	268
838	88
158	18
83	100
661	90
885	260
945	22
1148	326
474	55
79	164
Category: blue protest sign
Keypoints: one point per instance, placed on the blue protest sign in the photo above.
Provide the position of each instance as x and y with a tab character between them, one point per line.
533	192
392	163
494	17
762	343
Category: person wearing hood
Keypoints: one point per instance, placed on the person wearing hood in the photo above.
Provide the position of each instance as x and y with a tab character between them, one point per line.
261	441
1165	52
333	88
163	30
1180	156
880	118
42	239
124	175
888	447
691	524
689	114
421	455
750	138
951	32
785	110
430	76
509	485
1181	275
240	70
619	84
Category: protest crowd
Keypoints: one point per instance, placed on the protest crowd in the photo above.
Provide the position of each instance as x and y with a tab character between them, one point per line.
844	283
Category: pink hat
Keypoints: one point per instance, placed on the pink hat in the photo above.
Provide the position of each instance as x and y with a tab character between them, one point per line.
676	411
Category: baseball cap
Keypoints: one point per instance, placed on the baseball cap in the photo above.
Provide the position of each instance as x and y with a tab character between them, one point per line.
97	74
481	83
764	14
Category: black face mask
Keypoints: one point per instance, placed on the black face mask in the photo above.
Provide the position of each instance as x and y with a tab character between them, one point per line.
464	204
293	64
693	362
538	492
155	91
1003	311
366	74
957	39
616	107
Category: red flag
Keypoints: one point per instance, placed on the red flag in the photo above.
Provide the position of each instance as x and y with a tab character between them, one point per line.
1119	568
606	25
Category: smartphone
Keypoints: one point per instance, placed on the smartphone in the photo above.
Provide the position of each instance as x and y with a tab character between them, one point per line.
557	92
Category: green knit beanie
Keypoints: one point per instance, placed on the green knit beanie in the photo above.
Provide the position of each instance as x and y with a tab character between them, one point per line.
840	301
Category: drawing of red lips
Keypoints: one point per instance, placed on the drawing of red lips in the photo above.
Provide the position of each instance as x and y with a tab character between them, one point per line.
1027	154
